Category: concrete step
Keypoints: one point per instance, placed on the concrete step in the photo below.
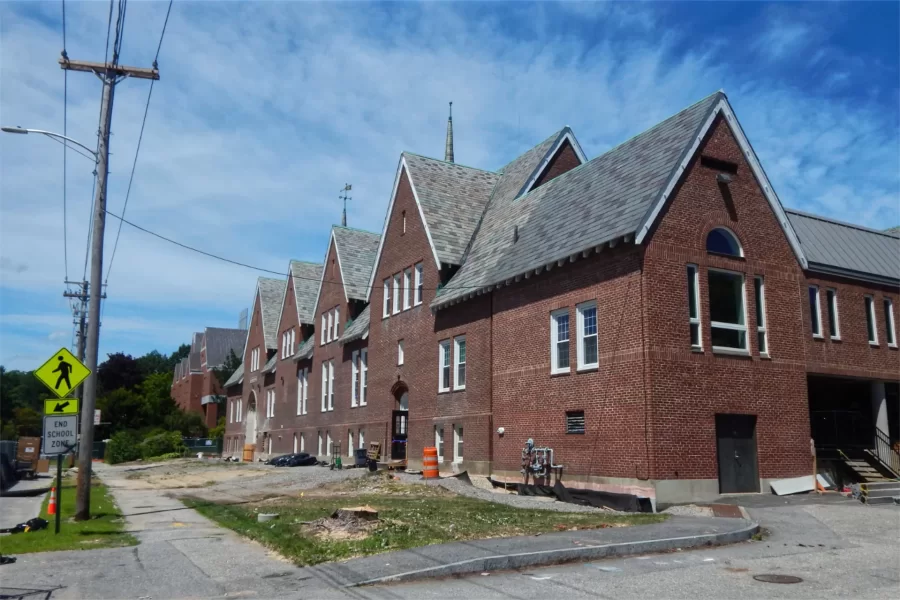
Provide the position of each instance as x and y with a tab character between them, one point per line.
882	500
886	484
882	493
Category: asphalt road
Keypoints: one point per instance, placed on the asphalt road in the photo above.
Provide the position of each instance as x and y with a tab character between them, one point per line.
839	549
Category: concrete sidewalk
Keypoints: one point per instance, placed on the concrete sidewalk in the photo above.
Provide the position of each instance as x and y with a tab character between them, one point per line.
19	509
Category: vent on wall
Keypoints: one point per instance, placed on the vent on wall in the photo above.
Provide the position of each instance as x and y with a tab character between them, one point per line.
575	421
718	164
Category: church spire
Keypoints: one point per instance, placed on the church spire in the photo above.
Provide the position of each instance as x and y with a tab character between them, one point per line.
448	148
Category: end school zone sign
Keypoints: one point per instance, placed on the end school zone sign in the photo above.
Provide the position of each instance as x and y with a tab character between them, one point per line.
60	434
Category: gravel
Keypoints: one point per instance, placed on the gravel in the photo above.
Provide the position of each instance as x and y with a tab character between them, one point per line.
690	510
464	489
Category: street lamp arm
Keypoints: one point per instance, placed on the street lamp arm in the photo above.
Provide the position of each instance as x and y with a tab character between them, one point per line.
52	135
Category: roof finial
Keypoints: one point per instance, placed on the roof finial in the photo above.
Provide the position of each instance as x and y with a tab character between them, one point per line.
448	148
345	197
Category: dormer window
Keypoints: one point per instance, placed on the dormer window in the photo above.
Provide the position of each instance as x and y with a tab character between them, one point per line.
723	241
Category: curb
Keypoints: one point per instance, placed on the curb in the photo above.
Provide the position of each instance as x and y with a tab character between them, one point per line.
562	555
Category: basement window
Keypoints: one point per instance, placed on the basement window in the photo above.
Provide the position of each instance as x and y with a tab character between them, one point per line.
727	311
575	421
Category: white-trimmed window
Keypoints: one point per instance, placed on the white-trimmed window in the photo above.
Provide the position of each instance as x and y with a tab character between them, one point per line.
559	341
328	443
759	291
240	409
400	356
694	306
296	448
386	311
459	363
319	451
302	442
363	375
444	363
871	323
302	387
396	304
350	443
354	366
231	412
889	330
270	402
439	442
815	311
324	386
324	323
337	322
292	344
407	284
418	298
458	443
331	385
587	335
727	311
834	321
330	317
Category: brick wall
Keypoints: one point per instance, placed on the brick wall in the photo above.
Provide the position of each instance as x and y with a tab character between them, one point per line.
253	387
564	160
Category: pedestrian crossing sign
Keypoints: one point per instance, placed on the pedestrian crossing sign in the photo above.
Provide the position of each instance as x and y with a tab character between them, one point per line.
62	373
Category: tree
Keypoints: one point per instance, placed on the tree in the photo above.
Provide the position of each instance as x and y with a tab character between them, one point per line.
119	370
231	364
154	362
157	393
28	422
183	351
123	409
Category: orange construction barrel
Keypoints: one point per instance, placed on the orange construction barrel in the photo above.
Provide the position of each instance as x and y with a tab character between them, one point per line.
248	452
430	463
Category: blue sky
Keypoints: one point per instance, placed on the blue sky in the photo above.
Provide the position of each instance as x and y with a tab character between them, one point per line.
266	109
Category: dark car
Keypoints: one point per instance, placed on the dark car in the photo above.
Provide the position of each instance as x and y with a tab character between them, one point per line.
301	459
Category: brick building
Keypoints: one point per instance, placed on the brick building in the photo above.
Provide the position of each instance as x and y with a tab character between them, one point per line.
653	315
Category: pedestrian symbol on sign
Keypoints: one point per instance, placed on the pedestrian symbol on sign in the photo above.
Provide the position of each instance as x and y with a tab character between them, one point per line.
62	373
64	368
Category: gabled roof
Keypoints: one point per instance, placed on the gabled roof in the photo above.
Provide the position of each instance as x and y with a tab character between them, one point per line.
358	329
356	250
236	377
194	356
271	292
270	365
219	341
617	195
845	249
306	349
305	277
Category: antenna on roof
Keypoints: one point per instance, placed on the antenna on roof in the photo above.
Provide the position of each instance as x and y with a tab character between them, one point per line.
345	197
448	147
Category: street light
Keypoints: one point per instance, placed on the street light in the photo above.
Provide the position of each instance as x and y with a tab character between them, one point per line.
49	134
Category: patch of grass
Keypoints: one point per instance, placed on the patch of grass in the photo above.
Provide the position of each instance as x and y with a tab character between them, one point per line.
105	528
410	515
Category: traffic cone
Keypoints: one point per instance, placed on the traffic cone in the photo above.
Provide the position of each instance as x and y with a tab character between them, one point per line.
51	507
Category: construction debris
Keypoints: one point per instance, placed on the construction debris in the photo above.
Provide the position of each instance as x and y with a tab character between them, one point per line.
344	524
793	485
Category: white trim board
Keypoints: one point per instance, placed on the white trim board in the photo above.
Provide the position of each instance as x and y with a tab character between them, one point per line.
401	167
565	134
722	106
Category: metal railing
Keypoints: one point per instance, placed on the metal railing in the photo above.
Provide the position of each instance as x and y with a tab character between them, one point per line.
885	453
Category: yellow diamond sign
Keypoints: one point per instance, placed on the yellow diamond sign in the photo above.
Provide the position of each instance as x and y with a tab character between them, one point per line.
62	373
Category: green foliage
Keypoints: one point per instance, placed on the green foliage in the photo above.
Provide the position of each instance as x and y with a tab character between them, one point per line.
224	373
154	362
124	409
167	456
164	443
218	432
124	446
119	370
28	422
187	424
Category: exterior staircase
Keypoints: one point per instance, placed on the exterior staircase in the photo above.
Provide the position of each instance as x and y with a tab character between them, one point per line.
864	470
881	492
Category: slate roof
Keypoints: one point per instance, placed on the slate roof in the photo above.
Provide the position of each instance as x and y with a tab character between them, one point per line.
236	377
270	365
271	293
358	328
846	249
306	349
597	202
306	277
219	341
453	198
356	251
194	356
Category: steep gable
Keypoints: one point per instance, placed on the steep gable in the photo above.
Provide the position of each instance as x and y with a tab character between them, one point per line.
305	277
356	250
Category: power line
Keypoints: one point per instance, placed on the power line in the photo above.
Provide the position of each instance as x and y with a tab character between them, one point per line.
165	23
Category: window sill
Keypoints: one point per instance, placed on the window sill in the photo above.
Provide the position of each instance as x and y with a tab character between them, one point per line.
440	391
874	344
835	338
818	336
892	346
697	349
459	389
730	351
765	355
588	368
560	372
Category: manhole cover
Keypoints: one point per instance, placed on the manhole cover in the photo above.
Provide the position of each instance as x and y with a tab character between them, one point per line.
771	578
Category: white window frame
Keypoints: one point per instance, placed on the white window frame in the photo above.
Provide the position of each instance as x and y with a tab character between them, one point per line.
400	355
555	315
831	301
319	449
293	340
818	314
694	319
720	325
580	335
439	442
354	366
337	322
386	309
871	313
361	438
458	437
324	321
761	331
330	317
889	328
350	443
418	293
363	375
302	442
331	385
407	284
240	409
444	362
231	411
461	339
329	443
396	305
325	386
296	445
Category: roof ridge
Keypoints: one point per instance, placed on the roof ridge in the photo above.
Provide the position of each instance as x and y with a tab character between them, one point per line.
842	223
357	229
455	164
304	262
554	135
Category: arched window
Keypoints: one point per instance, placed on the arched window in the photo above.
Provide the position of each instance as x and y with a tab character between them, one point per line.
723	241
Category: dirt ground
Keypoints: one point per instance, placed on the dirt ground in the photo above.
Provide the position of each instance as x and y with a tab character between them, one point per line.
188	473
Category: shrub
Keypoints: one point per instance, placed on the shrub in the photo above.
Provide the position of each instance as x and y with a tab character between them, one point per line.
168	456
218	432
163	443
123	447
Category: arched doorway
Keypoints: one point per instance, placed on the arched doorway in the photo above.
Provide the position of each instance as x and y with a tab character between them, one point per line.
400	421
250	425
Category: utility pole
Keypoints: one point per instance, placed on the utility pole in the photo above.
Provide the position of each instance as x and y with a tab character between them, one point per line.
110	74
345	197
80	314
